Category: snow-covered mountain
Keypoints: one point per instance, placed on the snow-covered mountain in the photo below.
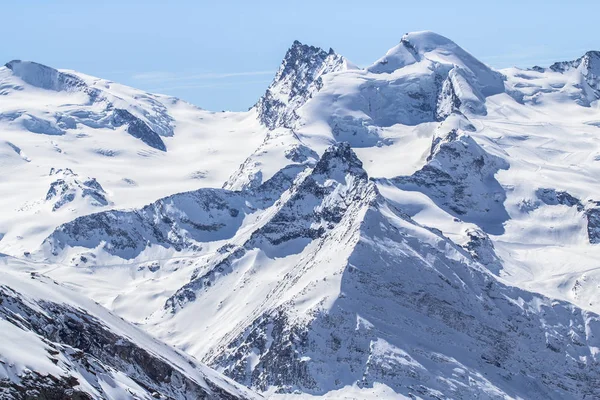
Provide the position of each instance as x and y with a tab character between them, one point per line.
58	344
425	227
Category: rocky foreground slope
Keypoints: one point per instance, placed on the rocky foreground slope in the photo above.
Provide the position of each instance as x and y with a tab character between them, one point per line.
57	344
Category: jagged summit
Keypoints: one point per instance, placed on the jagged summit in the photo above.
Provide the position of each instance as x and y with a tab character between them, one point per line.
299	49
590	60
297	79
340	155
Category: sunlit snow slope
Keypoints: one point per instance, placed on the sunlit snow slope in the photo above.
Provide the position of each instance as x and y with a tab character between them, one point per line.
425	227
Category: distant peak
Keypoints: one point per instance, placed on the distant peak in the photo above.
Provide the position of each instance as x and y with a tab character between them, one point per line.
425	41
300	49
10	64
413	48
44	77
297	79
593	53
589	59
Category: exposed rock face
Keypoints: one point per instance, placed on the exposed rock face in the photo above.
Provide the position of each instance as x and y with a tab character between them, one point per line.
37	386
459	177
90	358
138	129
68	187
589	67
482	249
448	101
177	221
297	79
592	215
554	197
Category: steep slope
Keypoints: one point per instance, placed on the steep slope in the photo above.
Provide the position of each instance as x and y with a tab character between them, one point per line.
296	81
423	79
57	344
337	287
373	297
460	177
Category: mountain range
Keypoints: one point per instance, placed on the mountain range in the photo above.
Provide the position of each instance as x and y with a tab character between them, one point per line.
425	227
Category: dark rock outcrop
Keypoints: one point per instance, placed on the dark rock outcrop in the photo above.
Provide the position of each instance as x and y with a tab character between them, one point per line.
138	129
296	81
459	178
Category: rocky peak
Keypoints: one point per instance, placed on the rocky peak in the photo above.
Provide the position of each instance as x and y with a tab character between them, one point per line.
589	59
460	178
68	187
299	54
339	157
297	79
589	67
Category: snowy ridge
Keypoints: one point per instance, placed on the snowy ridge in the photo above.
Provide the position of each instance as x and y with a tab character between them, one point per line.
145	125
389	263
426	227
357	327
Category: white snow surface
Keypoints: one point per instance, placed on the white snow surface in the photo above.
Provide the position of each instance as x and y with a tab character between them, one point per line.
448	250
23	351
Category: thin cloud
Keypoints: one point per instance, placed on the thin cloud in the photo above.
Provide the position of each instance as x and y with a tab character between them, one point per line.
207	85
163	76
153	76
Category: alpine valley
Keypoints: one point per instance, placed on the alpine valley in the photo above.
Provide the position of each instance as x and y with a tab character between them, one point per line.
425	227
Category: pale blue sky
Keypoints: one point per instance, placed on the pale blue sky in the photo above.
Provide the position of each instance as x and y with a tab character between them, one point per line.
222	54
